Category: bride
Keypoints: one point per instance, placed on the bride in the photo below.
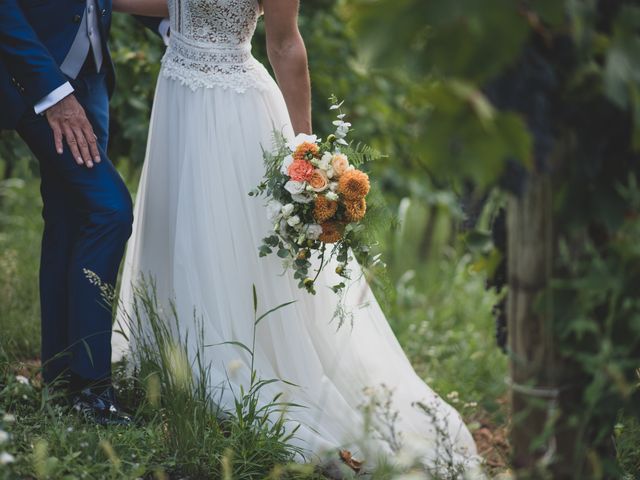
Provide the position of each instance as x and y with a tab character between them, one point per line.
197	232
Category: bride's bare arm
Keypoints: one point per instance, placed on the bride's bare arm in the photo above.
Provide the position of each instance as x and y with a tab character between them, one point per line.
149	8
288	57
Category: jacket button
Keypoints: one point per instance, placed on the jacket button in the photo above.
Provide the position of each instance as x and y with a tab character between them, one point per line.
104	12
77	18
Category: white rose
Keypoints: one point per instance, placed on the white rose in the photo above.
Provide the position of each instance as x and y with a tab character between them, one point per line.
287	209
300	139
288	160
294	187
6	458
293	221
301	198
325	161
273	210
313	231
4	437
332	196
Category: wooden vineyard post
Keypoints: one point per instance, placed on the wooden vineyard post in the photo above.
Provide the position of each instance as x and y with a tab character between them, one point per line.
531	346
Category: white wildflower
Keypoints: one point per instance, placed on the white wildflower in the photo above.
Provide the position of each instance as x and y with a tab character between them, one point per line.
342	128
6	458
453	396
293	221
8	418
234	367
21	379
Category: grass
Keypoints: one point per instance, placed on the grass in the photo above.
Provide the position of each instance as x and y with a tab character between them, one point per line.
20	233
437	306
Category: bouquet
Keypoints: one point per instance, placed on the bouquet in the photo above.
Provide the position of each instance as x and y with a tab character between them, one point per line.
318	202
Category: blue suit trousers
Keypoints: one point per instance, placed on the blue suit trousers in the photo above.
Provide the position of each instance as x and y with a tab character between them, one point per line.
87	221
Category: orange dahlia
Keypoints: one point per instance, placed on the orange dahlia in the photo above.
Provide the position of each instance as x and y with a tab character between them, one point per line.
306	151
355	209
331	232
353	184
324	209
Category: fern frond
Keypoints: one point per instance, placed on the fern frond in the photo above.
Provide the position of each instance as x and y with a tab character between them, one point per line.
361	153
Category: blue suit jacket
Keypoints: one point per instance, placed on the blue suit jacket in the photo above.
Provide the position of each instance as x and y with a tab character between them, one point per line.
35	37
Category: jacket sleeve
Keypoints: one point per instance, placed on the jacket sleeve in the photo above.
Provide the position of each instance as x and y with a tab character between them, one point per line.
35	72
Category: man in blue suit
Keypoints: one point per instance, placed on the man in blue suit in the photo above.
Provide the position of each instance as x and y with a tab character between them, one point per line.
56	77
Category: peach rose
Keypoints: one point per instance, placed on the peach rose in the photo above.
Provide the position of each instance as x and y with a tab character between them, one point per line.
339	163
319	180
300	171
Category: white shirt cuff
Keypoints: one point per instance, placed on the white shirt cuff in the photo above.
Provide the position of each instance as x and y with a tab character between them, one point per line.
54	97
163	30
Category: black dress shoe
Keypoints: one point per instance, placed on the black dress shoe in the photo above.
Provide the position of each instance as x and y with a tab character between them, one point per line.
100	408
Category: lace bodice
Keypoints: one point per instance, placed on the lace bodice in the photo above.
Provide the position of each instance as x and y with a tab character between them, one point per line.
210	44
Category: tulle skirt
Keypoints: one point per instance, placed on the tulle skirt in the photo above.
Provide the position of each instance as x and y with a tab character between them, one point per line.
196	234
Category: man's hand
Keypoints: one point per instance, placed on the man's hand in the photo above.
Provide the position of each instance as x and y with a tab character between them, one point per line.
68	120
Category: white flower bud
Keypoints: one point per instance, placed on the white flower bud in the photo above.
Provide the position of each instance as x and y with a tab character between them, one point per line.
293	221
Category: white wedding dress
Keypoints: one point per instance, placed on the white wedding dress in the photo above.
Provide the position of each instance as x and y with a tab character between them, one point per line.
197	233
